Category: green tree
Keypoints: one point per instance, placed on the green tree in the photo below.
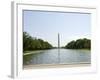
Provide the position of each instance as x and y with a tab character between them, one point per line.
30	43
79	44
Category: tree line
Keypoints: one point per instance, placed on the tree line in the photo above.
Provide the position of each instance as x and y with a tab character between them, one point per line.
79	44
32	43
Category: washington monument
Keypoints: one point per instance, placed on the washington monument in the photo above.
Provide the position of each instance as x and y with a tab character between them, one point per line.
58	41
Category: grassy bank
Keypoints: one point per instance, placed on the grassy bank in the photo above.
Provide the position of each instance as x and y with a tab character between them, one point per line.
32	52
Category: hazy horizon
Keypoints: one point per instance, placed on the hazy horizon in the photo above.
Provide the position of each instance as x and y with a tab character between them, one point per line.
46	25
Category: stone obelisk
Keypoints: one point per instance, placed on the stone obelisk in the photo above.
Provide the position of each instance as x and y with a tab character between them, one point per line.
58	41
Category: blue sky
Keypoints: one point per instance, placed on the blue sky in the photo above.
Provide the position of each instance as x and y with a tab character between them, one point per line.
47	25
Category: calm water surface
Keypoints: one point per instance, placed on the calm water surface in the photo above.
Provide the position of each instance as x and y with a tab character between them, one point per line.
55	56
